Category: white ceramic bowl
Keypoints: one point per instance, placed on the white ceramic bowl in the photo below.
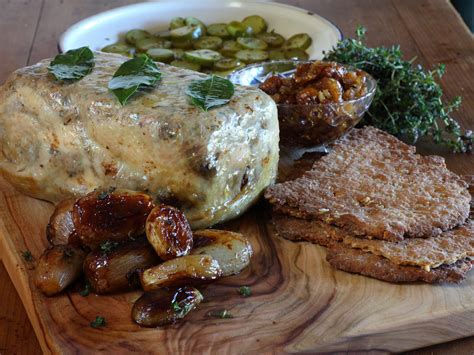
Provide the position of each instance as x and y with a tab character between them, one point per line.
104	28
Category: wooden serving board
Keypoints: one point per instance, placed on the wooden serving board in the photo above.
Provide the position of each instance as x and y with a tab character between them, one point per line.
299	302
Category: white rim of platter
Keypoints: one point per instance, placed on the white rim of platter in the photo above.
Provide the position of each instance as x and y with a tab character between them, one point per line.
105	28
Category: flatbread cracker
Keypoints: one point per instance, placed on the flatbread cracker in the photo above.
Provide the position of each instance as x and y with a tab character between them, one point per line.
378	267
372	184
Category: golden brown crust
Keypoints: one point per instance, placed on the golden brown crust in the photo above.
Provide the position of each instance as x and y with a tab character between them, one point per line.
349	259
297	229
431	252
378	267
427	253
372	184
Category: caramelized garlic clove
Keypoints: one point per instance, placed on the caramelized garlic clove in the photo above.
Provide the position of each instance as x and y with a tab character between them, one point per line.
185	270
169	232
232	250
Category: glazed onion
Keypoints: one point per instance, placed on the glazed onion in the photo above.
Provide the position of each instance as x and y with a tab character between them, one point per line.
231	250
116	270
111	215
186	270
164	306
60	229
58	267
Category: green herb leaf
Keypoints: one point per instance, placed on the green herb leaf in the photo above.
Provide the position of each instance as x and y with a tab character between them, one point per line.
181	308
222	313
27	256
72	65
408	99
176	307
103	195
135	74
86	290
107	246
245	291
209	93
98	322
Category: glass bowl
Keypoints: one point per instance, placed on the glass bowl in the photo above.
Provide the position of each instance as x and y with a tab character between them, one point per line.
308	125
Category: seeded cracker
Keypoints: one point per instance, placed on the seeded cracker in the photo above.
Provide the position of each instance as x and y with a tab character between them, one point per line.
373	185
427	253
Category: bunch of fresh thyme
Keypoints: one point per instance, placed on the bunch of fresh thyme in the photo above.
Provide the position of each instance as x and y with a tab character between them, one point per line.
408	100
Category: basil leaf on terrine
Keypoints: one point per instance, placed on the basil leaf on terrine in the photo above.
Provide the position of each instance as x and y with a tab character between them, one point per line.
209	93
72	65
135	74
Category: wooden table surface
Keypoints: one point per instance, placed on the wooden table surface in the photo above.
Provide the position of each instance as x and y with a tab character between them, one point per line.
431	30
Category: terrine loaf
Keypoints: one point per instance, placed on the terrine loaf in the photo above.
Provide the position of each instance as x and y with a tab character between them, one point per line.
65	139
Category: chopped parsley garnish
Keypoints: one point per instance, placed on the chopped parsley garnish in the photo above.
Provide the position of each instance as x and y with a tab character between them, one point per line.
103	195
408	99
107	246
86	290
98	322
27	256
222	313
244	291
181	308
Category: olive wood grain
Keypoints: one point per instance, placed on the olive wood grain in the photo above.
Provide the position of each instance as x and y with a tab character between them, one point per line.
428	29
299	302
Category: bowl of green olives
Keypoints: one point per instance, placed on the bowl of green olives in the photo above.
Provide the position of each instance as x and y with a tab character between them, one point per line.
215	37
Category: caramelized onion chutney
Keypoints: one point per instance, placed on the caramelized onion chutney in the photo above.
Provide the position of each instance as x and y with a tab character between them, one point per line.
319	103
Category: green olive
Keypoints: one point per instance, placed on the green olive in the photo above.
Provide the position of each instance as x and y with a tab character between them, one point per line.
208	42
161	54
189	32
192	21
218	29
254	24
300	41
145	44
204	57
119	48
187	44
273	39
176	22
236	29
229	48
133	36
276	55
251	55
252	43
225	64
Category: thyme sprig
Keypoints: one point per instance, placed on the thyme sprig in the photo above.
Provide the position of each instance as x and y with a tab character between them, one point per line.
408	100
